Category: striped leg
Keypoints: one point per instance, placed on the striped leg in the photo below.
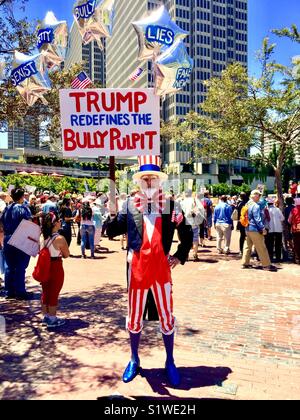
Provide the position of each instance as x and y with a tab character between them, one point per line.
164	303
136	307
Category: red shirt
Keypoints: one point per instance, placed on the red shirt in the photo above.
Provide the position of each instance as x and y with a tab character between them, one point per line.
294	219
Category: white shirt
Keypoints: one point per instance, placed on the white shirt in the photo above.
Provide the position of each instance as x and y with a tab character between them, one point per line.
277	218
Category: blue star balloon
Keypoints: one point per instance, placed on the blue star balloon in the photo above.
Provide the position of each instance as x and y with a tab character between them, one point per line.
173	69
95	19
52	41
26	76
157	32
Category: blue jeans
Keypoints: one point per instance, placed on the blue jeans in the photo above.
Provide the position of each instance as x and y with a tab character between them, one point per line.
16	262
87	230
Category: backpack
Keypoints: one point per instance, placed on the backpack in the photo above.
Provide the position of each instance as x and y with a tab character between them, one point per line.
41	272
244	218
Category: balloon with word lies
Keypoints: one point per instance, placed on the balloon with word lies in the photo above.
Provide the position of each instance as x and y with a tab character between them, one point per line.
26	76
173	69
94	19
52	41
156	32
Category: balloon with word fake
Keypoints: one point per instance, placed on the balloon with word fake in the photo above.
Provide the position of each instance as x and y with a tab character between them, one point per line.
157	32
28	79
52	41
173	69
296	68
95	19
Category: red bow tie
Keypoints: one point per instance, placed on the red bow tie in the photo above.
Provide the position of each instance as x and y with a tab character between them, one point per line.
155	204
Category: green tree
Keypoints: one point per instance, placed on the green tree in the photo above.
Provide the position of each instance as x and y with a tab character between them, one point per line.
20	34
242	112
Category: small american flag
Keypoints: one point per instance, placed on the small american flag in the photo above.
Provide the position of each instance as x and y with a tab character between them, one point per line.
136	74
81	81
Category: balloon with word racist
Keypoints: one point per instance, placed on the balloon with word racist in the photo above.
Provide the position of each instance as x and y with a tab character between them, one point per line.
94	19
156	33
173	69
52	41
28	79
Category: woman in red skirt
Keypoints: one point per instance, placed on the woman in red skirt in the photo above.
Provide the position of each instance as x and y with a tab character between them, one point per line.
58	249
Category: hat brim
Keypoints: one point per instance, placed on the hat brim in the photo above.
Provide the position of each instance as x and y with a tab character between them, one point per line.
161	175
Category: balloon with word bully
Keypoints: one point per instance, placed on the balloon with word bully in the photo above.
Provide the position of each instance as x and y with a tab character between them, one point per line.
157	32
94	19
28	79
173	69
52	41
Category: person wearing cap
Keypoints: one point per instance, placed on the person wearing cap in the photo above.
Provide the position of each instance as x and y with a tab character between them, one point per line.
255	233
150	222
274	237
294	221
50	205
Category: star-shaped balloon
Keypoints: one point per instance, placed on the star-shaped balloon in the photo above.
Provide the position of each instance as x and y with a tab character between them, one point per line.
52	41
173	69
28	79
94	19
157	32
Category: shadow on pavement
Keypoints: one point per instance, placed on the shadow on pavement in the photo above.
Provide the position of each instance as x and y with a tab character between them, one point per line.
191	378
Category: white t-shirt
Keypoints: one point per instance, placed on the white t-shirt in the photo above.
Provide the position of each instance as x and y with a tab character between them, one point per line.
277	218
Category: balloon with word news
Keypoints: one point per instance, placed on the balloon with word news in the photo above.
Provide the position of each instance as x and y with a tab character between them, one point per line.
173	69
52	41
110	122
156	32
26	76
95	19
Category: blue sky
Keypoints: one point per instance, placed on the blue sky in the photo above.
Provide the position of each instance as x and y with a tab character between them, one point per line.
264	15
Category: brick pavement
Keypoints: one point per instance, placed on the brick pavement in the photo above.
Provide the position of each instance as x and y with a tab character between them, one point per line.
238	334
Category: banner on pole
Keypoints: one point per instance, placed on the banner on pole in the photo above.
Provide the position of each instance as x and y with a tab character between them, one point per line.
110	122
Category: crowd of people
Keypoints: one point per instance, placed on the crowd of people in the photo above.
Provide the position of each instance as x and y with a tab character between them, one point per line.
268	234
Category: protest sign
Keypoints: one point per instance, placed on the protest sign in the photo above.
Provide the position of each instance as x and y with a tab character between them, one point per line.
110	122
27	238
30	189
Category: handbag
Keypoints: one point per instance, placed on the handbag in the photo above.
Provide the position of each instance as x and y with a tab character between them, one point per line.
234	215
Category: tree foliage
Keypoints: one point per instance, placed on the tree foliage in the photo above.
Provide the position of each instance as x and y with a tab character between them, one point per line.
44	120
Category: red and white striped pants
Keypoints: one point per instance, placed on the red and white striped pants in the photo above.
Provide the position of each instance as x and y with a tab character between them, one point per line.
164	304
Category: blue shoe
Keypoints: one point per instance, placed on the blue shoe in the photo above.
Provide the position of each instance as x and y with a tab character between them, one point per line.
172	374
132	370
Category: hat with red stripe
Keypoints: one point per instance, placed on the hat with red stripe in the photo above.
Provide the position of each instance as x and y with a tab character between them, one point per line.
150	165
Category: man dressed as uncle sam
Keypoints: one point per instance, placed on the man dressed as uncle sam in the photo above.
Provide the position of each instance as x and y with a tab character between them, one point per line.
150	222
